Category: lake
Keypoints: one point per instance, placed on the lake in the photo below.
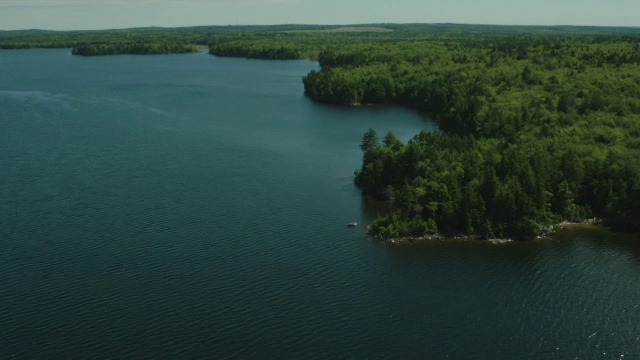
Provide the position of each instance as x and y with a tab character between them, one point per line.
188	206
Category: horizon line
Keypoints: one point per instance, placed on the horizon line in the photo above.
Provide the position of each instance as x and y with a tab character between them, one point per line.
320	24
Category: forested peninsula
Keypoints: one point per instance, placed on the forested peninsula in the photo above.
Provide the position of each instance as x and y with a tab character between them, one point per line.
535	131
539	125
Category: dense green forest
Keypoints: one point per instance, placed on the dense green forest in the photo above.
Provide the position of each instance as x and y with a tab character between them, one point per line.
538	124
535	130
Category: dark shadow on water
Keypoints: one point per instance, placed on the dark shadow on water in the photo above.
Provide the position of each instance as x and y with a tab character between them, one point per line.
622	239
624	228
342	108
372	208
517	256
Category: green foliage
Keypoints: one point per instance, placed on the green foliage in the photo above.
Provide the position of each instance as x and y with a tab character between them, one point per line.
261	49
136	49
536	131
369	141
142	40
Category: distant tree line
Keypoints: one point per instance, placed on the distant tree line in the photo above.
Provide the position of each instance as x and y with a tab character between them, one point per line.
136	49
261	49
74	39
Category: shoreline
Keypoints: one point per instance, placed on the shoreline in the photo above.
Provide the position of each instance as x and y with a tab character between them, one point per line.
588	224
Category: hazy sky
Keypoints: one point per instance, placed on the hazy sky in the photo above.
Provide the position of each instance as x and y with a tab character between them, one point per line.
104	14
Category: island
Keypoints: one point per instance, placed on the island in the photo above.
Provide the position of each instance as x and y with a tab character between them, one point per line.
134	49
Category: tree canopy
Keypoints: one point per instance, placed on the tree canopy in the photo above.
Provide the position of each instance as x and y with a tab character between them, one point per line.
535	131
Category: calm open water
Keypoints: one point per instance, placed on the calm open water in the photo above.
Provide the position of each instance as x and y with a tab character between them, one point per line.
195	207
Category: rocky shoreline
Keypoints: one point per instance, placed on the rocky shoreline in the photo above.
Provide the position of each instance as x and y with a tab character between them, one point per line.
547	234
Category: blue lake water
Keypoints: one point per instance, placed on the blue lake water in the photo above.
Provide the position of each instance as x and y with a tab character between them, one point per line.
190	206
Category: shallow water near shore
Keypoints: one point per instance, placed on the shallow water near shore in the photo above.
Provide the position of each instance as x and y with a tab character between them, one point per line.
195	207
